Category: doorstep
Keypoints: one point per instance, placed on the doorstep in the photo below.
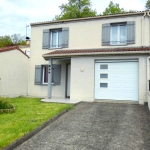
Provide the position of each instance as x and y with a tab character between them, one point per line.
59	100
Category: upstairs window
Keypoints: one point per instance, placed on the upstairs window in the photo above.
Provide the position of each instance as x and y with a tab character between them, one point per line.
56	39
118	33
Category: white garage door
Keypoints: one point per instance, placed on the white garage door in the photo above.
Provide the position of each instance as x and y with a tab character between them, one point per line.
116	80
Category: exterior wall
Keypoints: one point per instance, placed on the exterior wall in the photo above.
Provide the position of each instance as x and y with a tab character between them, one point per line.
82	70
88	34
85	35
13	74
42	90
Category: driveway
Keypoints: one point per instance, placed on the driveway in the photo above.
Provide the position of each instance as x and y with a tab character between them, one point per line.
96	126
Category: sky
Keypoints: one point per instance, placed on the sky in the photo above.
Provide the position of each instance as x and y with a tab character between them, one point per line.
15	15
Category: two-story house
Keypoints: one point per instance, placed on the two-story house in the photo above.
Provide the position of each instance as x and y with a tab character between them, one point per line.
94	58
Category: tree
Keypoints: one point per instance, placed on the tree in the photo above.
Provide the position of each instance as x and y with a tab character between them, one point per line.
113	9
76	9
5	41
15	39
147	6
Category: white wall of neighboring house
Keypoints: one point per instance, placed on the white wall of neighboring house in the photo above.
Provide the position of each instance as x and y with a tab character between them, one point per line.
25	49
13	73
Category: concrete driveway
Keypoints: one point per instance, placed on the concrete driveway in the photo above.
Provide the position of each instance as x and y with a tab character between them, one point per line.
96	126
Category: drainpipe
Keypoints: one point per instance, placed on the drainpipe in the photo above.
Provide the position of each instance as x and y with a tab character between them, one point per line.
148	14
50	79
142	28
148	58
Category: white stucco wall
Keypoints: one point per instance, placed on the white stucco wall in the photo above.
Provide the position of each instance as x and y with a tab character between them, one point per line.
88	34
82	82
85	35
13	73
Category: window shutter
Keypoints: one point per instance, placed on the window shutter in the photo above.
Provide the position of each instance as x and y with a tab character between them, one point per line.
106	34
65	37
131	32
45	39
56	74
38	75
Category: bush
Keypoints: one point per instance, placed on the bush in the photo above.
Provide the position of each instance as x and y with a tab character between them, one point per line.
5	103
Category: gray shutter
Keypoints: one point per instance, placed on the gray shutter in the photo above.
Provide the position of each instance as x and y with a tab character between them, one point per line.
38	75
131	32
65	37
106	34
57	74
46	39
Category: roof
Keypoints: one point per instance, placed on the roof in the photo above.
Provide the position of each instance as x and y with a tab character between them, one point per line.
10	48
89	18
101	51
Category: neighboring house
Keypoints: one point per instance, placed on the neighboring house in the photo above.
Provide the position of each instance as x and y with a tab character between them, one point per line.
13	72
25	49
95	58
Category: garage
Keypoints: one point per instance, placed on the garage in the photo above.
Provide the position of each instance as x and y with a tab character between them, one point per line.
116	80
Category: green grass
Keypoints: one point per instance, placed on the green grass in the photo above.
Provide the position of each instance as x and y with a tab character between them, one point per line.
29	114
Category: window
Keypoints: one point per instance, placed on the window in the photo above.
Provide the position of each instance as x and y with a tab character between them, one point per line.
103	75
103	66
42	71
118	34
45	75
103	85
56	39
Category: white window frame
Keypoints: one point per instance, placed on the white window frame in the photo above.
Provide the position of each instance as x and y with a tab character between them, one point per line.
118	35
57	38
43	71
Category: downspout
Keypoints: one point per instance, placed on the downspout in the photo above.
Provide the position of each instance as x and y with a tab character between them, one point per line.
142	28
50	79
148	58
148	14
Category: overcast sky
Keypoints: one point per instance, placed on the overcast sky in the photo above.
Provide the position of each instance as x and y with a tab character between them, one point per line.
16	14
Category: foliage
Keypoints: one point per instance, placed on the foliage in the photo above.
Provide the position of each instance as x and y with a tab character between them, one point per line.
5	103
5	40
147	6
30	113
15	39
76	9
113	9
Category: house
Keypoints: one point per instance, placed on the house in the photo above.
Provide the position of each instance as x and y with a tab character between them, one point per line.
94	58
13	72
26	48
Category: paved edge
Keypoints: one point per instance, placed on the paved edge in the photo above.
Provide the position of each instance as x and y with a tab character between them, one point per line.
36	130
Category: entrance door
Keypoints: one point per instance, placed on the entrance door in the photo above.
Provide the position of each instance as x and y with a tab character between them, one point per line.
68	80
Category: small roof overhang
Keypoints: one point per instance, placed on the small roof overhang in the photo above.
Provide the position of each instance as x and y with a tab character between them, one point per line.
94	52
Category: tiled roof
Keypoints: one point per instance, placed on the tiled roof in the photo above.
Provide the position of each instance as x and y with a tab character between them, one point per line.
88	18
10	48
98	51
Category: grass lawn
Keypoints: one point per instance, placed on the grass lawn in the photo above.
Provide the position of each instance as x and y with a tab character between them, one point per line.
30	113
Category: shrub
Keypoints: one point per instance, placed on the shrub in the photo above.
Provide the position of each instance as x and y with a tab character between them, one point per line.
5	103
